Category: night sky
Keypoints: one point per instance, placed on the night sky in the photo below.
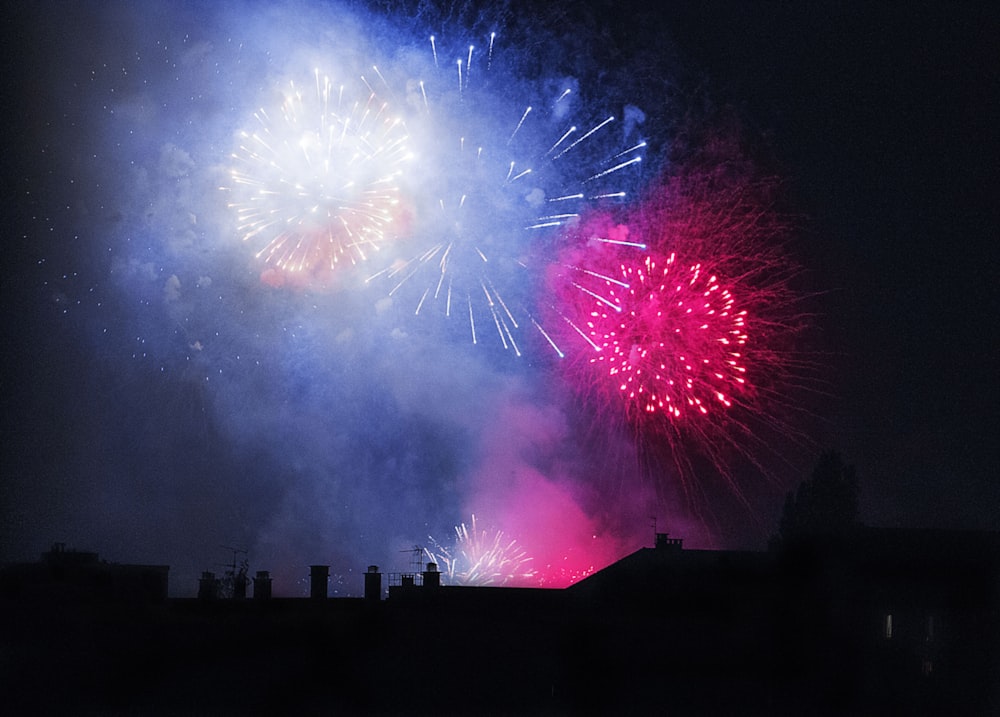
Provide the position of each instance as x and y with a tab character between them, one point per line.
162	404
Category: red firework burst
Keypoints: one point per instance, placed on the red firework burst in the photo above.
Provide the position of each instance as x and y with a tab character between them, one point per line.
671	339
681	318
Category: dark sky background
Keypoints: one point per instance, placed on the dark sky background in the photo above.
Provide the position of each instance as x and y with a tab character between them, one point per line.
885	118
158	403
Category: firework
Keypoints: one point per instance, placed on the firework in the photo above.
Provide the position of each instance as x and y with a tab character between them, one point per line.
667	336
497	181
316	181
680	319
482	557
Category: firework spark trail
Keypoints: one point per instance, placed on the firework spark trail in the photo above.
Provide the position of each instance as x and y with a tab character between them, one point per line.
499	179
316	182
482	557
681	322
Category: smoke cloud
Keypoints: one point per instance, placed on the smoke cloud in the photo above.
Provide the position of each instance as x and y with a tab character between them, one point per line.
205	402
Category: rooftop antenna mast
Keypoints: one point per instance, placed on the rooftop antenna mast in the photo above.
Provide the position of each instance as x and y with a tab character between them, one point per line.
416	558
235	572
235	551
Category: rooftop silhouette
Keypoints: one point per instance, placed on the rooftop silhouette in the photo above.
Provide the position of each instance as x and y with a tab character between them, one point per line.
873	620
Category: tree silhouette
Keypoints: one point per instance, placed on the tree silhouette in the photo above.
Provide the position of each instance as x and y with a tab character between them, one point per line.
824	505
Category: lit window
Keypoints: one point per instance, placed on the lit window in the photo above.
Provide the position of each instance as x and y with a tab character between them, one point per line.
888	626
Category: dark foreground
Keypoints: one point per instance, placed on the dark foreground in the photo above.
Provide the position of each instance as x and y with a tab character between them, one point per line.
665	631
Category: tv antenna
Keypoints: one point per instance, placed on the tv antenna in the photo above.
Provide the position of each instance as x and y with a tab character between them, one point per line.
416	558
236	551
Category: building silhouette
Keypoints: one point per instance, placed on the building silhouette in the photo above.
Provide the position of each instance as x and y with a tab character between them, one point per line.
874	621
76	576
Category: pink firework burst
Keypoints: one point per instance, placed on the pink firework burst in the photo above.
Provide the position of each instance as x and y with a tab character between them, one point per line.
681	319
668	338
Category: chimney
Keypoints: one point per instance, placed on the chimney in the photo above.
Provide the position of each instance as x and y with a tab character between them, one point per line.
319	576
208	586
373	584
665	542
432	578
262	585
